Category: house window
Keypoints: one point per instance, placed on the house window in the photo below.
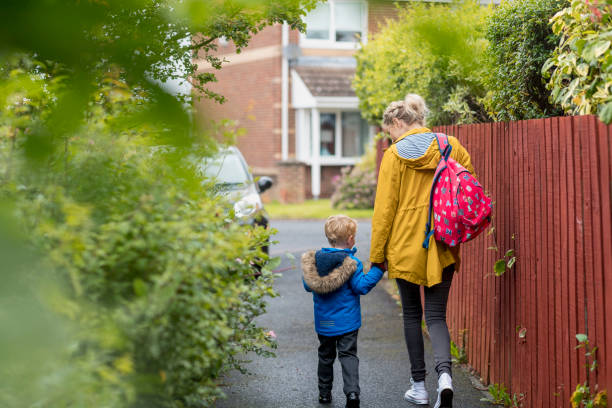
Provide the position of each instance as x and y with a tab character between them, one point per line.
317	23
348	21
355	134
328	134
336	23
343	135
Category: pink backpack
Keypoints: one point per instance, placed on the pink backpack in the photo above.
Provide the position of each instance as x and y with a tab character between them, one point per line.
461	210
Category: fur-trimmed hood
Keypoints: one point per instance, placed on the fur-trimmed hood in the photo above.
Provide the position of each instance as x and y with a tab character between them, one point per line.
330	282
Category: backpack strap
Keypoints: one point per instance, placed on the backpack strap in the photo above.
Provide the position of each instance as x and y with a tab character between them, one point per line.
445	150
443	144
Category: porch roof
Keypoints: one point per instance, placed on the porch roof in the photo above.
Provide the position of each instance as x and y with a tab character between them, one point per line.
328	81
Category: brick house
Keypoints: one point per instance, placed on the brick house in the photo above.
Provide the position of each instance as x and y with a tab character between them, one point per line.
292	93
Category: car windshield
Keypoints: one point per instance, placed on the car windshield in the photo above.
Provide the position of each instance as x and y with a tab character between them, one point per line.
227	170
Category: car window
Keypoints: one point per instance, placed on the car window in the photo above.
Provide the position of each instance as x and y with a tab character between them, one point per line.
226	169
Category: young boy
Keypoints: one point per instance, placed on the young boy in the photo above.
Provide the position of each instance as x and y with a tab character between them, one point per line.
336	278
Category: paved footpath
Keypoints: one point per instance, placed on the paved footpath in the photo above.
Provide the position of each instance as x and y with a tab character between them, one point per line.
290	379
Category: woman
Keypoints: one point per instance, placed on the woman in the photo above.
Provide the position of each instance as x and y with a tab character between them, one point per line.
398	230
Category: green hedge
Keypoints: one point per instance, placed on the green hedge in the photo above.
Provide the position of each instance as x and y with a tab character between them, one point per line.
435	50
158	288
471	63
520	41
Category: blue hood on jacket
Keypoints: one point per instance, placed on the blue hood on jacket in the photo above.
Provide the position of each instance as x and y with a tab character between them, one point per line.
328	259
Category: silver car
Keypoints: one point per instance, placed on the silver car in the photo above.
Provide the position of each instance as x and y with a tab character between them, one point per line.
232	179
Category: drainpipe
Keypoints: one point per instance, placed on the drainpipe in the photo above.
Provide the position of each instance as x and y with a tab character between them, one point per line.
315	173
285	95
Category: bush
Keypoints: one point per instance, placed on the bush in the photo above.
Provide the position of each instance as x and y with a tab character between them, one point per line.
355	189
434	50
520	41
580	70
159	287
132	283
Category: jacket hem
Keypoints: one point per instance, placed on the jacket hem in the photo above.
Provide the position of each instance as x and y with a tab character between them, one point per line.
410	276
339	333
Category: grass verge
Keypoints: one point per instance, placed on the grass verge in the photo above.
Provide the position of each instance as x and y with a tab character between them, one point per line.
311	209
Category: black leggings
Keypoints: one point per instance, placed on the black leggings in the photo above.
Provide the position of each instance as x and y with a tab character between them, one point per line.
436	298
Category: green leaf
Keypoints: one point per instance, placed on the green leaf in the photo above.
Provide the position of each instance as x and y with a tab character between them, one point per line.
509	253
274	263
594	49
582	69
500	267
605	113
581	338
548	65
576	398
140	288
579	45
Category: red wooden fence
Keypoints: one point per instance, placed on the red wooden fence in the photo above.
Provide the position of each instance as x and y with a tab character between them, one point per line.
550	180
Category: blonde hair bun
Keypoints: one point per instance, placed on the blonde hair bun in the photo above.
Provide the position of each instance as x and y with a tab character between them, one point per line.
416	106
412	109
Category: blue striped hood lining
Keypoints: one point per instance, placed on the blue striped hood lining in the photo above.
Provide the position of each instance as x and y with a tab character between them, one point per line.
414	146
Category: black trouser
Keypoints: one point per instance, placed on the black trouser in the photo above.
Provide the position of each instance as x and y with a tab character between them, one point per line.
346	344
436	299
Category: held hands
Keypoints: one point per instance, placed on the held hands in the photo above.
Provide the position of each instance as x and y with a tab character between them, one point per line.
381	265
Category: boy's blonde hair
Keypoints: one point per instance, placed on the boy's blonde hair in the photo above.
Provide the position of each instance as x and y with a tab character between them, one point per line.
338	228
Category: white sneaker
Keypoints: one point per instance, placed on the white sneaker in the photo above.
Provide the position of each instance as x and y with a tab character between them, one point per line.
445	392
417	394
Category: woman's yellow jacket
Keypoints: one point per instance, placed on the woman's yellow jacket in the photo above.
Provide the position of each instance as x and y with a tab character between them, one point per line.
401	210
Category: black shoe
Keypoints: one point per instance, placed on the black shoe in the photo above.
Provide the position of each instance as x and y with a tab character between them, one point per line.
325	399
352	400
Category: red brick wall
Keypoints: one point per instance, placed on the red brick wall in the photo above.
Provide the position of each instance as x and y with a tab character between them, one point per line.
268	36
292	131
253	98
292	182
378	11
294	37
327	175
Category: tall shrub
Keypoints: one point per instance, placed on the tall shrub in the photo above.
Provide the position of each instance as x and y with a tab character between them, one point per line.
154	278
435	50
580	69
520	41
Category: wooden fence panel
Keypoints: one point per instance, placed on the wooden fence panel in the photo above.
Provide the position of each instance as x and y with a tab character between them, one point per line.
550	181
554	284
605	171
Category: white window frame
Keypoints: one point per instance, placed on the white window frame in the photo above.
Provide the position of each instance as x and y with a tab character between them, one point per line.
308	141
331	42
337	158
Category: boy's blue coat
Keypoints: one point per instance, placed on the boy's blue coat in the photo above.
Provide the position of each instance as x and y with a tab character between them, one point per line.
336	279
